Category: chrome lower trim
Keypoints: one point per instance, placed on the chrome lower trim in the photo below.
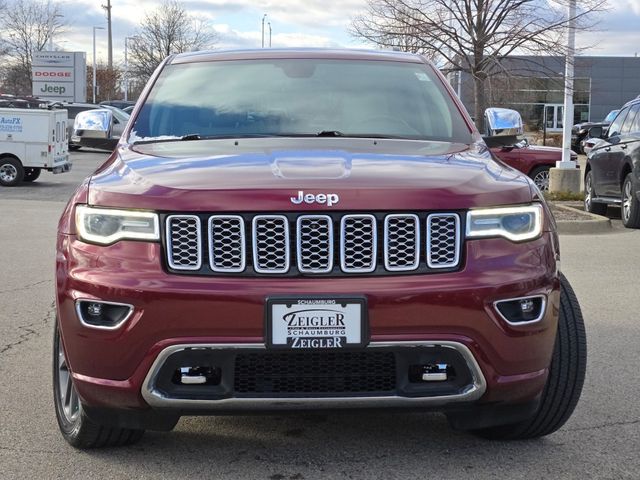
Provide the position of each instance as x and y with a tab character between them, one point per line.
155	399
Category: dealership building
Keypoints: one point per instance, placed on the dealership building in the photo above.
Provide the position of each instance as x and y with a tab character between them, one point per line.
534	86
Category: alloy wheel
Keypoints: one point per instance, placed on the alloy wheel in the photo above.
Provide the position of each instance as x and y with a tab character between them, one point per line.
588	193
542	180
69	401
627	198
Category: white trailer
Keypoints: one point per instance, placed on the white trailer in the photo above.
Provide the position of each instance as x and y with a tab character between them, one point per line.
32	140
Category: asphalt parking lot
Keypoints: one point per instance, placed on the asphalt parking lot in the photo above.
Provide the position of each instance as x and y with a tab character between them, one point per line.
602	439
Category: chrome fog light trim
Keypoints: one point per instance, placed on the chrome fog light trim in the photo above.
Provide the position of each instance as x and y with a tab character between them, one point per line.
543	309
88	323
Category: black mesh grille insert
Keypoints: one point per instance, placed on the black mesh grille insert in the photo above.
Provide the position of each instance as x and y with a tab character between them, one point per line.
315	372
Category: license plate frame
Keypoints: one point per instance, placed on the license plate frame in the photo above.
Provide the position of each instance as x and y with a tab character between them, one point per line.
325	306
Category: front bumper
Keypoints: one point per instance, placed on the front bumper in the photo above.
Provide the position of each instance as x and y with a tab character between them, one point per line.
115	369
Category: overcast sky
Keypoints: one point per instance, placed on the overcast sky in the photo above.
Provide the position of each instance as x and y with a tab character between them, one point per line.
310	23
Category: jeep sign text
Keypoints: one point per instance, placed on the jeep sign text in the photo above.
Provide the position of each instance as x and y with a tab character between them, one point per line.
329	198
59	89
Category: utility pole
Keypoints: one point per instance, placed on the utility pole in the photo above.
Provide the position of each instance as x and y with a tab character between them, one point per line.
107	7
269	34
263	17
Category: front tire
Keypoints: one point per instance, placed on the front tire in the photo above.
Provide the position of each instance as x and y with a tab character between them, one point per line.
31	174
565	380
589	194
630	204
11	171
76	428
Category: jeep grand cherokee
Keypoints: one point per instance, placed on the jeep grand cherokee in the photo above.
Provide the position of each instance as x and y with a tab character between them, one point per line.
309	229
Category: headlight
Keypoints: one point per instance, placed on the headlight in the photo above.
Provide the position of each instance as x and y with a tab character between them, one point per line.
514	223
105	226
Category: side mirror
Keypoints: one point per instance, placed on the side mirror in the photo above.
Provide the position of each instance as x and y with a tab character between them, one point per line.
502	122
93	124
596	132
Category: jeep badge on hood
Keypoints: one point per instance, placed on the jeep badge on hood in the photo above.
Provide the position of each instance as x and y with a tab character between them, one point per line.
329	198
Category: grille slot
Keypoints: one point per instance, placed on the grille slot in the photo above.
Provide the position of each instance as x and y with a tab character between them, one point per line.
184	242
358	243
271	244
401	242
315	373
315	243
443	240
227	243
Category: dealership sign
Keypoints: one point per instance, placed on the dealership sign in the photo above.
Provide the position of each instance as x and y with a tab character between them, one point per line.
60	76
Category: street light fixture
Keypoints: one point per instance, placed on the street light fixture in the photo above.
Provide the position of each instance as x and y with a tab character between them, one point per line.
126	66
263	17
95	85
269	34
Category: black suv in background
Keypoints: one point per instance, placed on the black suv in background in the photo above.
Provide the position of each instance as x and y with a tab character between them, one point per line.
580	131
121	104
612	174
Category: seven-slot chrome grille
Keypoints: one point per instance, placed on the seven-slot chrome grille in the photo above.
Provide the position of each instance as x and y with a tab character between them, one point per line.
319	244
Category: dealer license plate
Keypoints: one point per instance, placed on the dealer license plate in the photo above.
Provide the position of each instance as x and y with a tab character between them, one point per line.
316	323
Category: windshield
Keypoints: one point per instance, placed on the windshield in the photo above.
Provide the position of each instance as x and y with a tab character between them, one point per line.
612	114
291	97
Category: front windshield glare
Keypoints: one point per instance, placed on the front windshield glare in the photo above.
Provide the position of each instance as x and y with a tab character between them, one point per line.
290	97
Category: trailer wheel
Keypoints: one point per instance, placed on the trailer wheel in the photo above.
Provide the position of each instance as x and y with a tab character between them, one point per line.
11	171
31	174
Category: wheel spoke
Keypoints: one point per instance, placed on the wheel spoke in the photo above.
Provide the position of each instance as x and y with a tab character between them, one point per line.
67	392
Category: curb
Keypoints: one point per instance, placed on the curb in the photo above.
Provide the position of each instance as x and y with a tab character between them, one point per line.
598	224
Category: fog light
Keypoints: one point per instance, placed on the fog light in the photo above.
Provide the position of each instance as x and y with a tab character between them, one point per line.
519	311
526	305
102	315
94	309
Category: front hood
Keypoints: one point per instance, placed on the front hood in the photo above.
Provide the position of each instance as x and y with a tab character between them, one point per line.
542	149
580	126
263	175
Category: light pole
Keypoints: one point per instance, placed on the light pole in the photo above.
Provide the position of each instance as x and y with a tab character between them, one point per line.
126	66
269	34
51	24
95	85
565	177
263	17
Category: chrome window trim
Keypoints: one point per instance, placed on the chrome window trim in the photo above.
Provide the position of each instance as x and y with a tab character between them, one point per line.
102	327
299	244
456	260
243	248
374	247
156	398
543	309
254	243
416	262
170	243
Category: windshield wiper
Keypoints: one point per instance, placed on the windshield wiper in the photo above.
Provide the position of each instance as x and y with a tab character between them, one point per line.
231	136
197	136
330	133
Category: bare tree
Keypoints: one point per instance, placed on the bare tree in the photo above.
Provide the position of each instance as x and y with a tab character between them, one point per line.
472	35
108	81
167	30
27	26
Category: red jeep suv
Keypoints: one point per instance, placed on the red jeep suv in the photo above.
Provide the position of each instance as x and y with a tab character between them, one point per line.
309	229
